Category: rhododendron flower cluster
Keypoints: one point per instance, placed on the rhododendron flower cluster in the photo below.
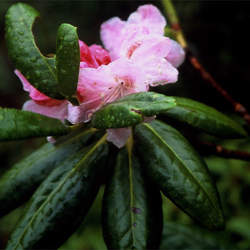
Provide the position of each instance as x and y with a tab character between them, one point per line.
137	55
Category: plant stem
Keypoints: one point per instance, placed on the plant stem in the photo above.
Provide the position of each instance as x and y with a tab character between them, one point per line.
175	24
174	21
220	151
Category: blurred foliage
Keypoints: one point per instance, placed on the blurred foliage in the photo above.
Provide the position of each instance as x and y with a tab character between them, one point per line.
216	32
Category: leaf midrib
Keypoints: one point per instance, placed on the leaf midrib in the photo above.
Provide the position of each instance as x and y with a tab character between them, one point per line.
100	142
209	113
131	187
183	165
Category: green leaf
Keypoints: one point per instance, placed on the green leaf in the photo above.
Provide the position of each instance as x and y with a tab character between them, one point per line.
181	237
18	183
179	172
25	54
17	124
132	213
59	205
130	110
67	60
205	118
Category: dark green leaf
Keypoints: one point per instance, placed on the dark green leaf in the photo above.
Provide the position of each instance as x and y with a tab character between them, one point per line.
132	213
179	172
181	237
205	118
24	53
17	124
62	201
67	60
18	184
130	110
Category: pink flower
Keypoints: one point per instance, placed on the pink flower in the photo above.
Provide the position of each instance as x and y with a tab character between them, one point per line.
141	57
118	136
123	38
41	103
104	85
92	57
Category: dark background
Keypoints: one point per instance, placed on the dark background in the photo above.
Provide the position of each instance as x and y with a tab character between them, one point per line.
218	34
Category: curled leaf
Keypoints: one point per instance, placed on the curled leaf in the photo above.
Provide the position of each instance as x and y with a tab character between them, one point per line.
67	61
38	69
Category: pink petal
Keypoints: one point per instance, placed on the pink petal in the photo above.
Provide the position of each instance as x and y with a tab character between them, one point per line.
84	111
34	94
75	115
150	46
119	36
93	56
148	16
93	83
58	111
158	71
130	75
111	34
84	65
176	56
109	82
86	56
118	136
105	84
101	55
131	36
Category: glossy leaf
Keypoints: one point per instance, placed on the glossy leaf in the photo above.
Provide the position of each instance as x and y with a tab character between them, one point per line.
59	205
179	172
67	60
18	183
205	118
24	53
132	213
17	124
130	110
182	237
